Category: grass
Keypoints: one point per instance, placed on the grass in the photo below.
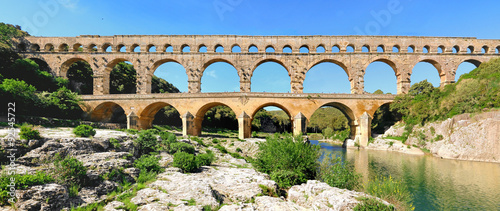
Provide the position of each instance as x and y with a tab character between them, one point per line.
372	204
393	191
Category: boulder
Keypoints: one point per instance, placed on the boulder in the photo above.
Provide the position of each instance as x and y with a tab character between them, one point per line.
43	197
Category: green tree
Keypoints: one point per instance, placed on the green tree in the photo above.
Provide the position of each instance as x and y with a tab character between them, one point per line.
81	78
123	79
159	85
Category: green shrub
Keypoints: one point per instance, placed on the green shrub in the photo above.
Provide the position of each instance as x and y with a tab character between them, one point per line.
205	159
146	176
73	190
338	174
239	150
328	132
280	155
146	142
236	155
84	131
22	182
69	171
185	161
287	178
181	147
369	204
199	141
148	163
393	191
254	134
115	143
168	137
215	141
28	133
221	148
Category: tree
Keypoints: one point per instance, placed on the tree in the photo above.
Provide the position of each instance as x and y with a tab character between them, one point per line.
81	78
123	79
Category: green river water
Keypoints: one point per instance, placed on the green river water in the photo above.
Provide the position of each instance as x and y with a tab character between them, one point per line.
435	183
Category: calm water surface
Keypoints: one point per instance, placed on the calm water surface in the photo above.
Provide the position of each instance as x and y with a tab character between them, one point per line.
436	184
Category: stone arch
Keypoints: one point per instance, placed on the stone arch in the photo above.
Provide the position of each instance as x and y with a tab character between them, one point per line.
185	48
49	47
210	62
397	47
384	60
65	66
346	110
259	62
203	109
285	47
149	47
382	48
105	46
108	112
77	46
147	114
250	46
42	63
120	46
63	47
92	48
201	46
254	111
114	62
367	47
219	46
35	47
306	47
352	46
161	62
233	48
321	46
271	47
473	61
342	65
433	62
134	47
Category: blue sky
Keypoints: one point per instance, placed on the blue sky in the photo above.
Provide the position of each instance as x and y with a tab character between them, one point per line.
258	17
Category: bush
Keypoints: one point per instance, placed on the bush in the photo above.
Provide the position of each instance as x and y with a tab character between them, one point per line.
69	171
281	155
84	131
148	163
22	182
236	155
146	142
181	147
328	132
338	174
221	148
28	133
185	161
205	159
115	143
393	191
368	204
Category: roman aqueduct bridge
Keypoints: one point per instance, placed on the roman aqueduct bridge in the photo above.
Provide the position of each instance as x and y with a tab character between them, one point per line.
297	54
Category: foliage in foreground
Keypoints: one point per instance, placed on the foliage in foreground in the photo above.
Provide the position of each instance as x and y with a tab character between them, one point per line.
190	163
338	174
289	161
84	131
148	163
69	171
370	204
22	182
393	191
29	133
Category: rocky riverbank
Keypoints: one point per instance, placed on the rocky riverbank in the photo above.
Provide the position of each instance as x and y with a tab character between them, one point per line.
228	183
473	137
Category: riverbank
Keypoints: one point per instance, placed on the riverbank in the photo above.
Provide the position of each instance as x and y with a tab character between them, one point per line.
229	183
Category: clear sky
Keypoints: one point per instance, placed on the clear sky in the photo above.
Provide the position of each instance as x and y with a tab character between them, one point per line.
257	17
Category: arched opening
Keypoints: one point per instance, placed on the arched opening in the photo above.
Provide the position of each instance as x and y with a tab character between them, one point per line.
441	49
426	70
271	118
42	65
21	47
383	119
350	49
329	122
320	49
80	77
169	48
411	49
485	49
335	49
327	77
35	47
202	49
151	48
470	49
395	49
426	49
186	49
270	76
465	67
381	49
287	49
135	48
380	74
236	49
49	47
365	49
497	50
64	47
218	118
107	47
455	49
304	49
219	49
253	49
92	48
270	49
169	77
220	76
122	78
162	114
121	48
109	112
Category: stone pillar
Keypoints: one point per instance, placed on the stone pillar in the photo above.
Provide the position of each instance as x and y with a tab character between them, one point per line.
244	126
363	132
133	121
403	78
101	84
297	74
356	77
144	82
297	86
299	124
245	86
448	72
190	125
194	86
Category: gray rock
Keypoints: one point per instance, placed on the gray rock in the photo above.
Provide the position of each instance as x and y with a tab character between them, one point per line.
113	205
267	203
49	196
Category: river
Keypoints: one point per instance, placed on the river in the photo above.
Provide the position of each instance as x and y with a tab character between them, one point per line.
435	183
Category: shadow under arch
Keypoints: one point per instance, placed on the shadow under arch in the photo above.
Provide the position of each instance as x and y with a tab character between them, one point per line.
383	118
42	64
346	110
67	64
108	112
149	113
